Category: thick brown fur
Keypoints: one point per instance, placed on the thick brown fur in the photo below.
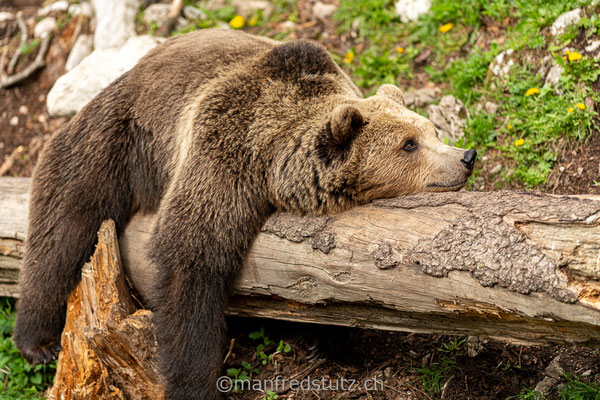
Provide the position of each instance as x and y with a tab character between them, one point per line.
214	131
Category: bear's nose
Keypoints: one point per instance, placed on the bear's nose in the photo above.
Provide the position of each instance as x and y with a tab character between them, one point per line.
469	158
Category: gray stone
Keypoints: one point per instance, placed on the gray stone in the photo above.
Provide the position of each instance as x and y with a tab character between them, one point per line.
593	46
115	22
81	49
554	375
323	11
248	8
565	20
193	13
411	10
157	13
497	168
502	63
61	5
421	97
14	121
449	118
45	27
212	5
554	74
76	88
490	107
6	16
84	8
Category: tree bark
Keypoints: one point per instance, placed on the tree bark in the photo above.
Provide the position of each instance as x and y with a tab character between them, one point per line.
108	348
517	267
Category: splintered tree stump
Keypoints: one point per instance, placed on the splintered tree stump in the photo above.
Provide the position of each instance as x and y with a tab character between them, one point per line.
516	267
108	346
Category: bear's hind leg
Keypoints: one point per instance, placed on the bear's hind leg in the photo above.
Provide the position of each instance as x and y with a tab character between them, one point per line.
72	193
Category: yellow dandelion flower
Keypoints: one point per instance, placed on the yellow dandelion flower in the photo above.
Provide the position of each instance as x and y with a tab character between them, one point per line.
445	28
574	56
581	106
237	22
509	126
570	110
349	57
400	50
253	21
519	142
532	91
567	51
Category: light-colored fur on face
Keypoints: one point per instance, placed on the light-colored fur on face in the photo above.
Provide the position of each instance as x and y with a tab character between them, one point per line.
387	169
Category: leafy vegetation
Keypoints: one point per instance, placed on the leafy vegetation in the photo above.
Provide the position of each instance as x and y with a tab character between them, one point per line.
528	130
18	380
265	351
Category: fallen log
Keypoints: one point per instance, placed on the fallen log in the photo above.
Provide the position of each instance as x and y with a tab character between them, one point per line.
517	267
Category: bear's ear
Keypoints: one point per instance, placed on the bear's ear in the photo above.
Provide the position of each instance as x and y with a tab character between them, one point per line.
346	121
341	129
391	92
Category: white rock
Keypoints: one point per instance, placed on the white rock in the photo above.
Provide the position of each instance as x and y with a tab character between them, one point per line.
565	20
490	107
554	75
6	16
193	13
44	27
14	121
81	49
501	64
287	26
411	10
212	5
157	13
323	11
249	7
497	168
115	22
593	46
84	8
449	118
61	5
421	97
23	110
76	88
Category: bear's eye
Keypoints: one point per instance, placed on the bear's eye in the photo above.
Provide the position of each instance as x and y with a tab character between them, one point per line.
410	145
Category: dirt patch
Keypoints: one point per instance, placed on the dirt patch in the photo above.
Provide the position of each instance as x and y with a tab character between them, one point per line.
400	363
24	119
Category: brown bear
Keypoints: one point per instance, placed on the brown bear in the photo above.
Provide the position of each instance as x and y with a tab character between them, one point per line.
213	131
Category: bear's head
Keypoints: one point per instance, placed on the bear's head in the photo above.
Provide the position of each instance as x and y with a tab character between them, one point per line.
376	148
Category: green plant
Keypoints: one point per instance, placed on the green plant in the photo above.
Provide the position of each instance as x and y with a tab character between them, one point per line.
576	389
29	47
21	380
434	376
527	394
271	395
453	346
263	357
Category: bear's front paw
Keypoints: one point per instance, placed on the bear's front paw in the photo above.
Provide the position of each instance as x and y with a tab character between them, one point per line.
40	353
38	337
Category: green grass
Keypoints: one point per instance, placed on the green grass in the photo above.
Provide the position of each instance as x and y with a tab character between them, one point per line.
574	389
18	380
542	121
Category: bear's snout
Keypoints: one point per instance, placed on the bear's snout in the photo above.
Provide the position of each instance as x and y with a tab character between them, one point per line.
468	159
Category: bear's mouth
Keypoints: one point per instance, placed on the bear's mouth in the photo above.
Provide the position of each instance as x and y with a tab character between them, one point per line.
439	187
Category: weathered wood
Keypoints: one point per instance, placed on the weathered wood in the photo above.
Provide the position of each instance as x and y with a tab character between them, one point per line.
512	266
108	348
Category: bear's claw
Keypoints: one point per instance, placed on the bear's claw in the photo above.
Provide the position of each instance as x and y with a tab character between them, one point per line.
41	354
